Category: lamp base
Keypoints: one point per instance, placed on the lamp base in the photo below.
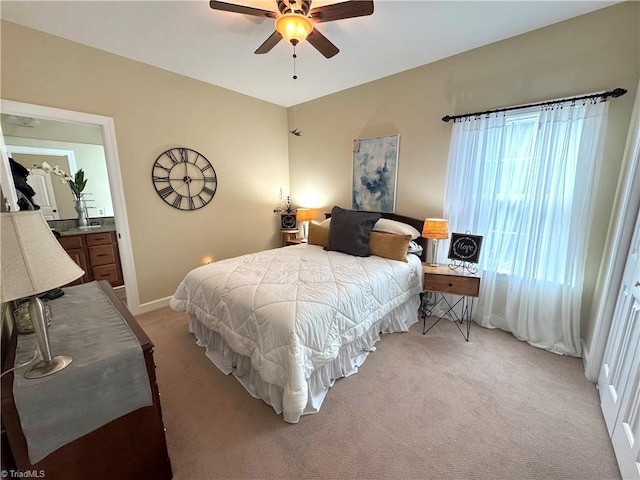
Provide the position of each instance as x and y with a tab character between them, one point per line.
44	368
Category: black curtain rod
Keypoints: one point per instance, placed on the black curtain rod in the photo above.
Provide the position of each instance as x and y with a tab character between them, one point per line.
615	93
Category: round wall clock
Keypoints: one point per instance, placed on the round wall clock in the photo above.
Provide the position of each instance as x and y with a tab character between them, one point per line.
184	178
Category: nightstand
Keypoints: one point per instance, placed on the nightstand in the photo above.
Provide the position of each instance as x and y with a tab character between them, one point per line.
288	234
441	280
293	241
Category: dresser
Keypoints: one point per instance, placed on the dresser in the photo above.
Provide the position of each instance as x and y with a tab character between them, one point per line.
132	446
97	254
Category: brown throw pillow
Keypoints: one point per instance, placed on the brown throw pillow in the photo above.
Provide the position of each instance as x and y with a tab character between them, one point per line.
318	234
389	245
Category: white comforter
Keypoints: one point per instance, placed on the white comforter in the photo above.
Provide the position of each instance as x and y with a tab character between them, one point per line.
291	309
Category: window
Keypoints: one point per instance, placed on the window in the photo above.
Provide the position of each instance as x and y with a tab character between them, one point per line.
523	179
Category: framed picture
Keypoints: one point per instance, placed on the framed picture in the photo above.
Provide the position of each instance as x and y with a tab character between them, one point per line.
375	174
465	247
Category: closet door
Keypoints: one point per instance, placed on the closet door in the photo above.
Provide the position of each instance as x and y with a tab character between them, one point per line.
619	379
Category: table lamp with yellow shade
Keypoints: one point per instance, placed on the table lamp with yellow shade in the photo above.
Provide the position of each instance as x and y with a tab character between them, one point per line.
304	215
435	229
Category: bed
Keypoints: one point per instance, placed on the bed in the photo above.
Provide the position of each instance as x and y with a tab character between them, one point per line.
290	321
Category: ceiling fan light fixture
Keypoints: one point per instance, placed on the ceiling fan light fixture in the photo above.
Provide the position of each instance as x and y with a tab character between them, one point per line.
294	27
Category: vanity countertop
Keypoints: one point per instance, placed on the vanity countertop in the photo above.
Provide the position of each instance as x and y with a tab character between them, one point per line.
82	231
70	227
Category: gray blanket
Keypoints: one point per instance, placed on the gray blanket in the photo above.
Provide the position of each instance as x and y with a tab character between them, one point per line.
106	380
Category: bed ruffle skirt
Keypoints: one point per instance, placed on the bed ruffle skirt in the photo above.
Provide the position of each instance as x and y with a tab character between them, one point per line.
350	358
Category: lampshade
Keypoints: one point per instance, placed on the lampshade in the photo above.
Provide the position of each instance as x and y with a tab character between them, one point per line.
436	228
32	260
304	214
294	27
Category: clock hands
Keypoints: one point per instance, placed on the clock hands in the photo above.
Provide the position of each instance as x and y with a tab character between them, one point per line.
174	183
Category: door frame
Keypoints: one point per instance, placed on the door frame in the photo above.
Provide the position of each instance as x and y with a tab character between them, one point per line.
56	152
11	107
617	246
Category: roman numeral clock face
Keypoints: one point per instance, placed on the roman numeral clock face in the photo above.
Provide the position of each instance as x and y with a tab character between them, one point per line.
184	179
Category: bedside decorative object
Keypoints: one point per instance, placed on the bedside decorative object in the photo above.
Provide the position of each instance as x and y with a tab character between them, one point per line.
435	229
288	221
287	213
375	174
21	316
304	215
34	262
184	178
464	251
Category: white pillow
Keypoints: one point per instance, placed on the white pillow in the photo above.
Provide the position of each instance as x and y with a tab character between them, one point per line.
392	226
388	226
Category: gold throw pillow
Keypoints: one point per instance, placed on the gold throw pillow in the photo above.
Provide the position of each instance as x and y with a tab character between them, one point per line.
389	245
318	234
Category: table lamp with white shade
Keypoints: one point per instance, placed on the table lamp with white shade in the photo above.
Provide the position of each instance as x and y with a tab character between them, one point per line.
435	229
33	262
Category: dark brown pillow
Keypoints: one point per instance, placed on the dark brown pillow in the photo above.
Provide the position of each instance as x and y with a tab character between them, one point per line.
350	231
389	245
318	234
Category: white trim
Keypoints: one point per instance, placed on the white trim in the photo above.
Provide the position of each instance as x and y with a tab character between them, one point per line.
6	178
154	305
56	152
115	180
617	246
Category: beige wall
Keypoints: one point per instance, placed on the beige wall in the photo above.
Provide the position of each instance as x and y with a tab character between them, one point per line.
245	139
595	52
247	142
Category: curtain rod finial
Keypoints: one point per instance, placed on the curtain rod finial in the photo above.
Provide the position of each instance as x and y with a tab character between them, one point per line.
618	92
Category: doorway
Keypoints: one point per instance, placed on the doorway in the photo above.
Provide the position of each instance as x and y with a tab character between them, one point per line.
113	171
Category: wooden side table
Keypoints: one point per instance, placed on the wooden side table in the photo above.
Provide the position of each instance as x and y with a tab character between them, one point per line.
441	280
287	235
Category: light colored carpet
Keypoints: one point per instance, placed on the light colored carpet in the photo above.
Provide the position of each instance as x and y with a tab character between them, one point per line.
422	407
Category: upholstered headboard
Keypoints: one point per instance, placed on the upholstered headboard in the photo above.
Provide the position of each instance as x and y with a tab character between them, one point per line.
414	222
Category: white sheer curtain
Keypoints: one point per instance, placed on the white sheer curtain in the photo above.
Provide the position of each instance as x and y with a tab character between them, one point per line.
523	179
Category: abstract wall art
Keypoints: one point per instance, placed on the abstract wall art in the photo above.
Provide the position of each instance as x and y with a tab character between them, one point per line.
375	174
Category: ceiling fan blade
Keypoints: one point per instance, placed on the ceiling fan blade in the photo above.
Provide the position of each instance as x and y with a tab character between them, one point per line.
338	11
322	44
269	43
232	7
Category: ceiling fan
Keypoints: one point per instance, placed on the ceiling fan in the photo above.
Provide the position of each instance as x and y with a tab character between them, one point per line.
295	21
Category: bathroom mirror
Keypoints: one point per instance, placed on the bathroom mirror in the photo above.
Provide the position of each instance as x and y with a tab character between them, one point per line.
68	145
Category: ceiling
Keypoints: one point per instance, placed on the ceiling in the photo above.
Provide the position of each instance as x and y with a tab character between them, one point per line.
217	47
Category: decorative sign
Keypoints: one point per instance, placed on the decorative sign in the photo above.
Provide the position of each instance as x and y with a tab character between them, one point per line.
465	247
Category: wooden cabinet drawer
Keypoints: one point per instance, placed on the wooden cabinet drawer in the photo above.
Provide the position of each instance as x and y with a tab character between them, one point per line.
71	242
101	255
99	239
97	254
455	284
78	256
106	272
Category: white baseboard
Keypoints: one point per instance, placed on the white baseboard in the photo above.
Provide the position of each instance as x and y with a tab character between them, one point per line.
154	305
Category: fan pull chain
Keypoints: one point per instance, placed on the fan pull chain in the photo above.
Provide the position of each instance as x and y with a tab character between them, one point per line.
295	77
295	130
